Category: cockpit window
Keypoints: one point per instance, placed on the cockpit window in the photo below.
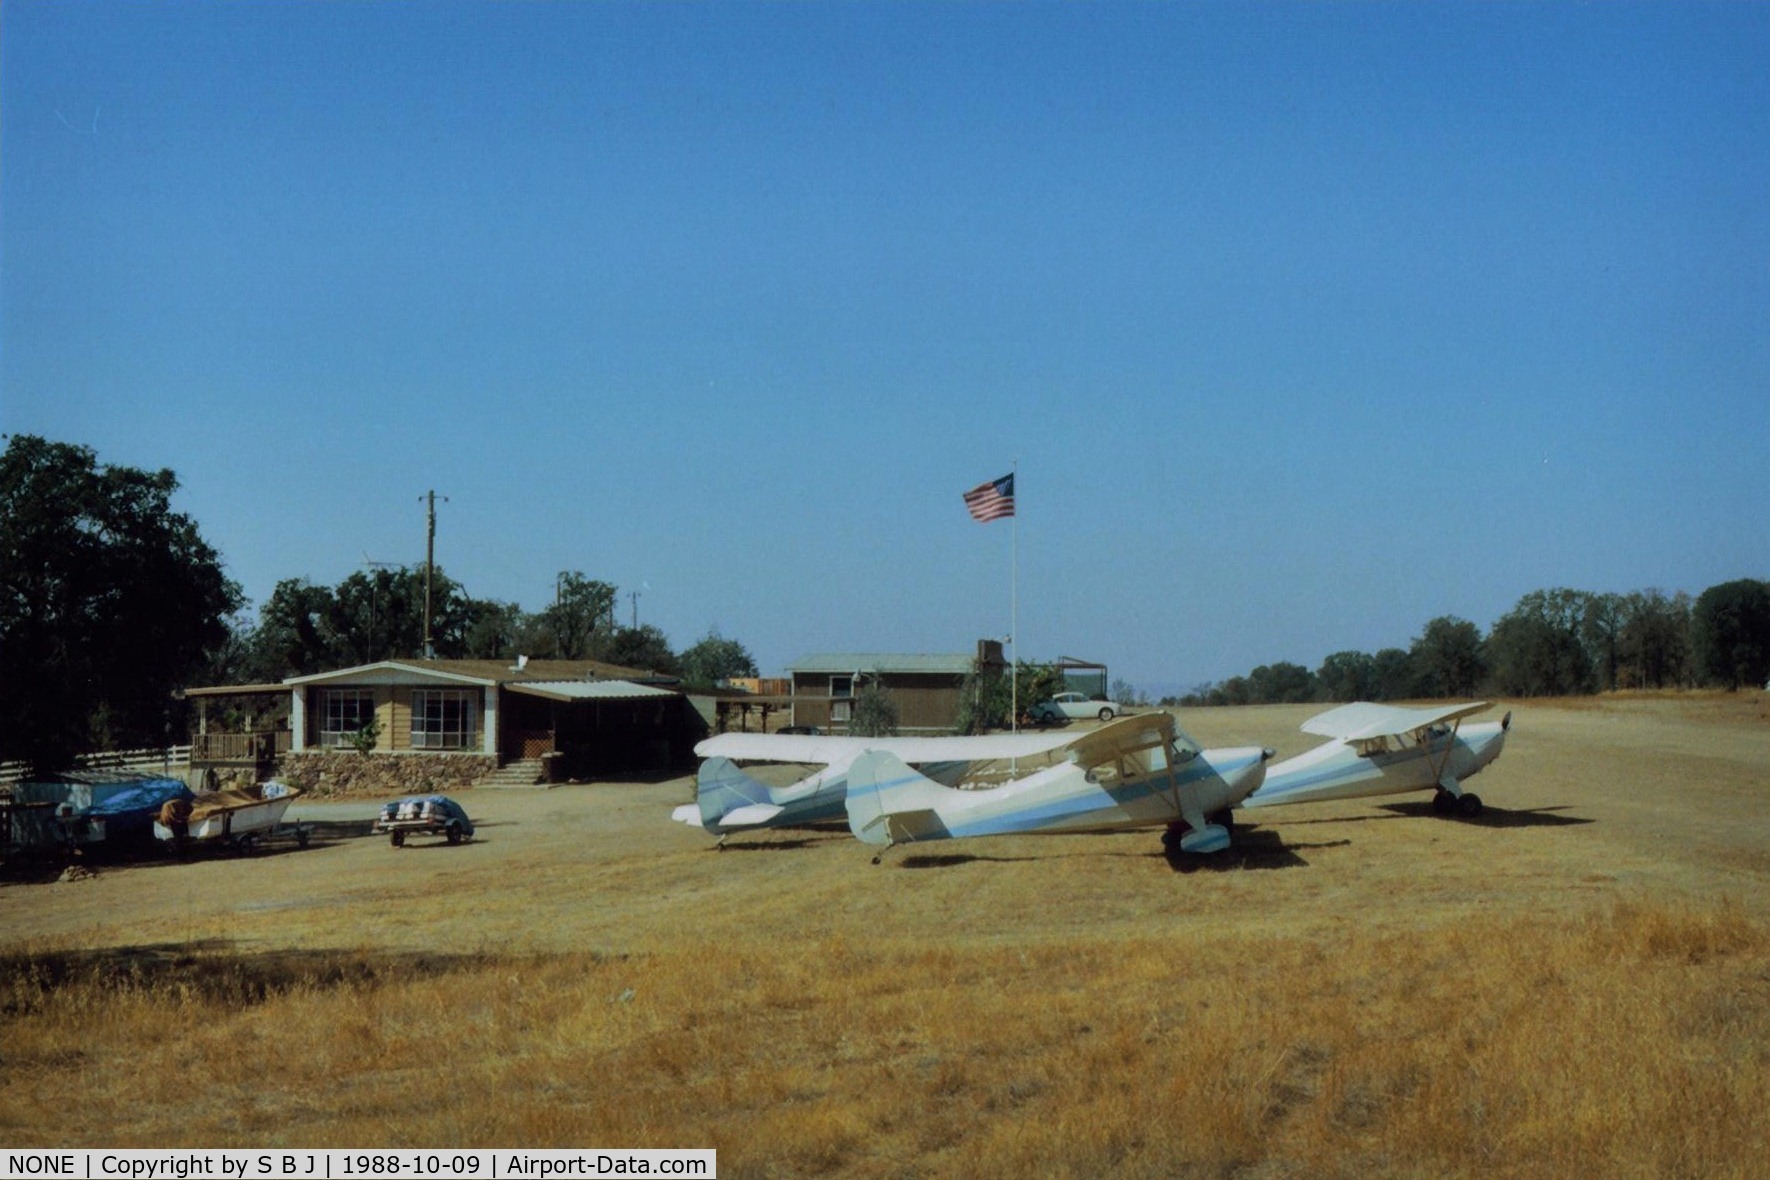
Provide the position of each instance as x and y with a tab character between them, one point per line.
1185	747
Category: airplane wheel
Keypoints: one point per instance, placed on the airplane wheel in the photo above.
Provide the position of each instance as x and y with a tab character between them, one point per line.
1171	837
453	834
1443	802
1224	819
1469	804
399	839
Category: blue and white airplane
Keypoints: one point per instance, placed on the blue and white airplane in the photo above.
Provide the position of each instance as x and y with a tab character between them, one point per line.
1387	750
730	799
1136	772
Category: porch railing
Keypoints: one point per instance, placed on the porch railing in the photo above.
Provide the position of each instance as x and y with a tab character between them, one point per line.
234	747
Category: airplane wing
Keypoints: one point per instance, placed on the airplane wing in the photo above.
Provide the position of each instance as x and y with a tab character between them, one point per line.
1364	719
837	750
778	747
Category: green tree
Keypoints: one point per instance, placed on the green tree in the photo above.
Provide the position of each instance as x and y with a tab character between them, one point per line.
497	630
296	633
1653	646
1600	632
1535	650
874	713
1730	624
713	659
642	647
1446	658
1280	683
1347	676
108	601
1126	693
581	618
986	696
1393	670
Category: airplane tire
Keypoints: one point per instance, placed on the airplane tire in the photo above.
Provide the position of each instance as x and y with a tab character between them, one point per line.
1443	802
454	834
1224	819
399	839
1469	804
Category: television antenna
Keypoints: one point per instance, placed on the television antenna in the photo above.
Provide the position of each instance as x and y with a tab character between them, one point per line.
374	592
429	567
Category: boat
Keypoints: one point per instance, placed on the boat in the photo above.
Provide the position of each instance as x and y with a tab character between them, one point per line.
240	817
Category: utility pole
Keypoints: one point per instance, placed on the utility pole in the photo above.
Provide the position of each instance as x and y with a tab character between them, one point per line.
429	569
634	595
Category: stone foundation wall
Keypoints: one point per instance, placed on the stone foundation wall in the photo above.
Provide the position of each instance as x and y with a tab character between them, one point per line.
336	774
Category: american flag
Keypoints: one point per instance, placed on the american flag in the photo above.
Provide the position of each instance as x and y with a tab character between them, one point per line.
992	500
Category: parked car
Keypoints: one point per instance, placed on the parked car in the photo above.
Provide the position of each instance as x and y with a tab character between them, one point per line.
424	815
1073	706
802	730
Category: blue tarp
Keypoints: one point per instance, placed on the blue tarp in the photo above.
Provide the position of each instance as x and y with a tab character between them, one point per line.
147	797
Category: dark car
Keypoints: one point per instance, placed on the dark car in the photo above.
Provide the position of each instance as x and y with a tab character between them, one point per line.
424	815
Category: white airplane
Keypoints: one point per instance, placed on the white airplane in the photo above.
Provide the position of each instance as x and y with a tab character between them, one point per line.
728	799
1136	772
1385	750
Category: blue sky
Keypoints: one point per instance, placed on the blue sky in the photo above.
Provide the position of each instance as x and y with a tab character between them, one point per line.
1304	324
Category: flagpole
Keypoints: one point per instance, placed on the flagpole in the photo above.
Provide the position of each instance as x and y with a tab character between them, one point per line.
1014	603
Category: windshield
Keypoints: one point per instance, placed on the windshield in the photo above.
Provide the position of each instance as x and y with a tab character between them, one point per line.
1186	748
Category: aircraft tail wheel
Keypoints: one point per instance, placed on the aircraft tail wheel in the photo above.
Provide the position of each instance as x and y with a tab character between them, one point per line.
1469	804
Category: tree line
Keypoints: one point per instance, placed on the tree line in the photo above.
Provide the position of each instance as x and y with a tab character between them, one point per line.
304	628
110	602
1552	643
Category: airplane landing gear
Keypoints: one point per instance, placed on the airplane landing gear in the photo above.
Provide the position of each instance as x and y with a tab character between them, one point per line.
1468	804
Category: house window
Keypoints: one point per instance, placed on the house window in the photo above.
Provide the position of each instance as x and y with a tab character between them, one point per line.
442	720
840	712
343	713
841	686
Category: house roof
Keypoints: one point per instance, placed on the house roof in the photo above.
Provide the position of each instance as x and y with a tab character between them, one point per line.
480	672
841	662
589	690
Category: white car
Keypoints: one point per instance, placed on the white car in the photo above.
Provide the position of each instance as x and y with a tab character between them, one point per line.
1073	706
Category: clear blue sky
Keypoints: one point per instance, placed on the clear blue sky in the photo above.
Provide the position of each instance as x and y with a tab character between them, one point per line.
1305	323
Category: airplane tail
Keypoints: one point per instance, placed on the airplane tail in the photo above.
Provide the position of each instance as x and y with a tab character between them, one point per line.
721	788
889	803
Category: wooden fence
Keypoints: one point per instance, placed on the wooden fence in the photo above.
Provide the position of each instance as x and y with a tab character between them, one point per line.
171	760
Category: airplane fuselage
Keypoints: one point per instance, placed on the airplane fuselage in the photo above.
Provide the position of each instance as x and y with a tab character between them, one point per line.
1063	799
1352	770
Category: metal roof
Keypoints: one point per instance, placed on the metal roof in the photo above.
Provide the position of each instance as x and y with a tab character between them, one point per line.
482	672
589	690
839	662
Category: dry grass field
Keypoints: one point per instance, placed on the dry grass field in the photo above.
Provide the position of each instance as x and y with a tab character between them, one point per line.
1577	983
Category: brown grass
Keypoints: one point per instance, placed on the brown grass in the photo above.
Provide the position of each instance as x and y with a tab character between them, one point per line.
1579	985
1631	1041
